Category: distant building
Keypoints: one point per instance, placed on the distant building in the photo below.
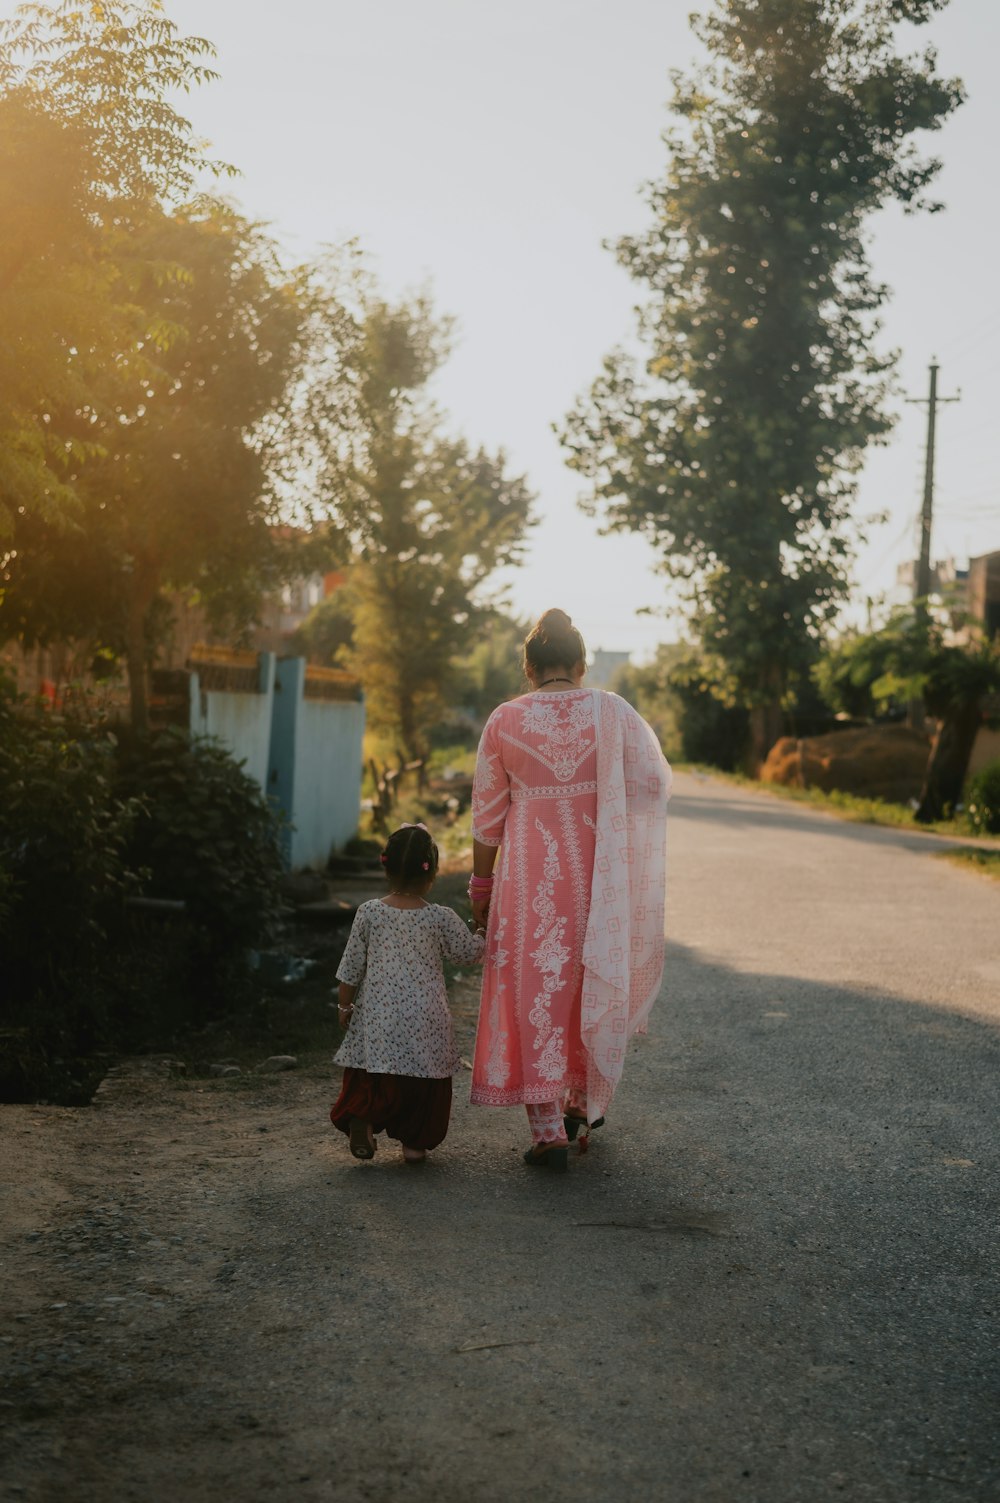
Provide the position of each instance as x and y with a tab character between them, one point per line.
945	575
974	591
984	591
603	667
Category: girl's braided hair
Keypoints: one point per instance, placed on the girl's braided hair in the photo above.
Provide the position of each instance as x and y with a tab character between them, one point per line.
410	857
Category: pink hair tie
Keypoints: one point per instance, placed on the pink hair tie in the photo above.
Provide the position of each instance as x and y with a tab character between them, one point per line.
426	865
383	858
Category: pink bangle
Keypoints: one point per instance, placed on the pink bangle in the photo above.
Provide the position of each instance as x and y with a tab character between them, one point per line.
481	884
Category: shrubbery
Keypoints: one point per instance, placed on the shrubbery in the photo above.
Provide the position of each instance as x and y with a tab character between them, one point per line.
64	875
982	800
205	834
85	822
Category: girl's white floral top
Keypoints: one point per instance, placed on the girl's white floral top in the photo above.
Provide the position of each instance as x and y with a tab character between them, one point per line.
401	1024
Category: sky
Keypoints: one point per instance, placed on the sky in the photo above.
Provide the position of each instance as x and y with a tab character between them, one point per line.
490	149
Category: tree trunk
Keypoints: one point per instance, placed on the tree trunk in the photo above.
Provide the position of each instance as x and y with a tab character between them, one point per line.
408	733
949	760
767	724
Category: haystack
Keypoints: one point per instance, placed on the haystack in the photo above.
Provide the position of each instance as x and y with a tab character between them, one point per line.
878	761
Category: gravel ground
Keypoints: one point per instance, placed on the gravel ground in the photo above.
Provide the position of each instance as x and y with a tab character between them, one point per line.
771	1279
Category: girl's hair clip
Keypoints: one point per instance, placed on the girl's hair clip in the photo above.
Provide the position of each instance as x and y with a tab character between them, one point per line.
383	858
426	865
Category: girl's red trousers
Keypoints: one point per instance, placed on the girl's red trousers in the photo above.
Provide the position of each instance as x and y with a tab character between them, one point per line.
407	1107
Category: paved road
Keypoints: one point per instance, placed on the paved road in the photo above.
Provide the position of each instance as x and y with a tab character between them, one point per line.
772	1278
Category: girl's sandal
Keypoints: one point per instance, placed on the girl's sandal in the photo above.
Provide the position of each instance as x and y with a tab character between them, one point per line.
361	1139
553	1156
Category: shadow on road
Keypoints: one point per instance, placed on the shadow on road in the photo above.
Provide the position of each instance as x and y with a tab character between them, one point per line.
771	1278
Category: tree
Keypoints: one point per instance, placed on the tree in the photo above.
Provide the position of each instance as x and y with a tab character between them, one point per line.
488	667
736	454
428	519
88	140
174	488
327	634
910	658
649	687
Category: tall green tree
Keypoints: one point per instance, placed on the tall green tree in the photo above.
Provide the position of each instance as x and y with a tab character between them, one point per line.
736	451
428	519
90	141
174	489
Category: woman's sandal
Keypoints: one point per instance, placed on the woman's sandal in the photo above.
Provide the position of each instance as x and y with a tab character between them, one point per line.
414	1155
361	1139
573	1123
553	1156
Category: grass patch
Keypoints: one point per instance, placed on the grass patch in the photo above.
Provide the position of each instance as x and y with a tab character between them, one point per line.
869	811
986	863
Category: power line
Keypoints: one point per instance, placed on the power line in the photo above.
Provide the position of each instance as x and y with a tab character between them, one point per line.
896	542
972	336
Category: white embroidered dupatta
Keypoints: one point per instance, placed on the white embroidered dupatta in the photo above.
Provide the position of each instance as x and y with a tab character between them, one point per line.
624	945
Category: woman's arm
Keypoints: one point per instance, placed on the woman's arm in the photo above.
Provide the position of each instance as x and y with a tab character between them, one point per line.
490	802
483	857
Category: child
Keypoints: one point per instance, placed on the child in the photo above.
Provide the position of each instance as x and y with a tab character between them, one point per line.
399	1051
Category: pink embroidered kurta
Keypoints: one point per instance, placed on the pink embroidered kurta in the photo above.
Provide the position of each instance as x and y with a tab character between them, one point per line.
572	786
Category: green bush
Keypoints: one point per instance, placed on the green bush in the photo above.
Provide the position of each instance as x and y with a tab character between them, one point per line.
86	819
206	835
982	800
63	877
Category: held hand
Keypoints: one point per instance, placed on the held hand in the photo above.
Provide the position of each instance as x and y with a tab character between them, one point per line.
480	910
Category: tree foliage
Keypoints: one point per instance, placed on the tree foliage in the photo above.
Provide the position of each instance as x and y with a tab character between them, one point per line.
89	139
173	487
488	667
736	451
428	519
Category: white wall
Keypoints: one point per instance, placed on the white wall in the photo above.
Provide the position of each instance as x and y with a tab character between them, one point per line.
242	722
328	760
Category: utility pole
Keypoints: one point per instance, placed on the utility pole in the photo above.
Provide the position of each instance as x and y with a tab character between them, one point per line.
922	581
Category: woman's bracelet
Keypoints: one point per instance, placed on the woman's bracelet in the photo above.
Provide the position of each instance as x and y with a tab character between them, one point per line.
480	887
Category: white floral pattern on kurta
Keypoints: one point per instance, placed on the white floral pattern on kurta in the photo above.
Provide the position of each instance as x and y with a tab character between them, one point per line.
401	1024
573	786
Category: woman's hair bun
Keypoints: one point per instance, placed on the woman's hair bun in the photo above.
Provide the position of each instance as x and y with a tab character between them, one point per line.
553	642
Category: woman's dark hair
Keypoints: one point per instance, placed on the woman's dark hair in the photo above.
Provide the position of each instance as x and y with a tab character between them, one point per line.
410	857
553	642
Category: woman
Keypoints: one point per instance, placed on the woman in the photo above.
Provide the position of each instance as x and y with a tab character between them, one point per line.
571	791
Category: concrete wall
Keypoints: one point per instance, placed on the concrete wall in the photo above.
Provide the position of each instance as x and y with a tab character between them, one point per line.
327	779
315	767
240	720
